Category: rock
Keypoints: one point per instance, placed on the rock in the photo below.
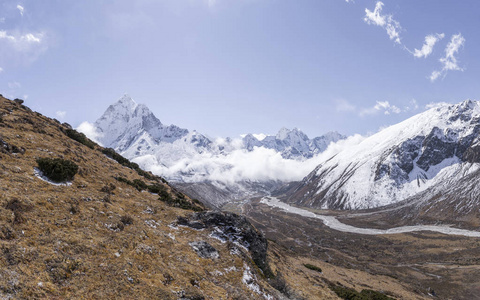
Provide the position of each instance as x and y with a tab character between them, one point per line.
204	250
234	228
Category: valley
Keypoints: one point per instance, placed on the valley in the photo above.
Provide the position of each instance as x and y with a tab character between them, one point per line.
394	212
425	264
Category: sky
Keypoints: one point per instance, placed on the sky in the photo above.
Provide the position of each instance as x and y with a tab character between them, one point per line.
229	67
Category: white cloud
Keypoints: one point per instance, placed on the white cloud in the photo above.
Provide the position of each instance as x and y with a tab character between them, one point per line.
380	106
61	114
427	48
14	85
21	47
413	105
387	22
21	9
2	20
343	105
261	164
435	104
1	69
88	129
449	61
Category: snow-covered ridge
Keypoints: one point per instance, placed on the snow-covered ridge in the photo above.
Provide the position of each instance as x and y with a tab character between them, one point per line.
399	161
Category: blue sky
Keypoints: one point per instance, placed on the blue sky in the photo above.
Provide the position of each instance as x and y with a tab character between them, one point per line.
227	67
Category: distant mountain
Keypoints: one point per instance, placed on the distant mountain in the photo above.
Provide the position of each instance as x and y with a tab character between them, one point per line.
190	157
126	124
293	144
134	131
429	154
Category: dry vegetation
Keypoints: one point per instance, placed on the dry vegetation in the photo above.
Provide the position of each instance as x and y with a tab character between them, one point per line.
100	238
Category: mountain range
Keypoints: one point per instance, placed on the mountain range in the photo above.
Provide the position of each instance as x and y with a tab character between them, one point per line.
133	130
416	163
224	168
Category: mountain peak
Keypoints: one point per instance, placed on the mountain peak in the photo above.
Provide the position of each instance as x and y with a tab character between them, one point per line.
127	102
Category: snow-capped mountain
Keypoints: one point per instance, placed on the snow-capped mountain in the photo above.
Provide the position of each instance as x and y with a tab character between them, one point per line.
126	124
293	143
435	148
134	131
191	157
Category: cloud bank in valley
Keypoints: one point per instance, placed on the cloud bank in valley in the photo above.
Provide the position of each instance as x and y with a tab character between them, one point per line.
261	164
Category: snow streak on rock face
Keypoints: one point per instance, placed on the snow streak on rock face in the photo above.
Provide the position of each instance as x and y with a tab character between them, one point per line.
399	161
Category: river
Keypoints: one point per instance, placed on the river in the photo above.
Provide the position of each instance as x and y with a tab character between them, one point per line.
333	223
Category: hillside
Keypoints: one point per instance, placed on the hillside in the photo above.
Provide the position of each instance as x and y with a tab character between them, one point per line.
101	238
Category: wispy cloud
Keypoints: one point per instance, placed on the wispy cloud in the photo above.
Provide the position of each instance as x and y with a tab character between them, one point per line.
427	48
435	104
449	61
412	105
21	9
14	85
387	22
380	106
343	105
211	3
1	69
21	47
89	130
61	114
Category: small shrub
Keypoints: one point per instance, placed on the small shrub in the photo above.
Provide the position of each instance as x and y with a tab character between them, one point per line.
57	169
126	220
351	294
108	188
179	202
155	188
312	267
74	209
139	184
80	137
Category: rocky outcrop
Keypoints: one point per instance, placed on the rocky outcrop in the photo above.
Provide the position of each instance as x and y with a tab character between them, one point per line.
234	228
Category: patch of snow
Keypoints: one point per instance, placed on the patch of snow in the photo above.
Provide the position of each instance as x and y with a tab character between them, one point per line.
152	223
40	175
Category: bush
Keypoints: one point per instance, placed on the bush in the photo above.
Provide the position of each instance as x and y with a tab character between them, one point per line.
179	202
80	137
57	169
312	267
139	185
156	188
126	220
351	294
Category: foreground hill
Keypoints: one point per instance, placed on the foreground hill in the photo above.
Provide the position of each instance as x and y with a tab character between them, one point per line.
115	231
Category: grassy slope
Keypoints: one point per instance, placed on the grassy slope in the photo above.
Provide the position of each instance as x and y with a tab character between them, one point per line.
56	242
